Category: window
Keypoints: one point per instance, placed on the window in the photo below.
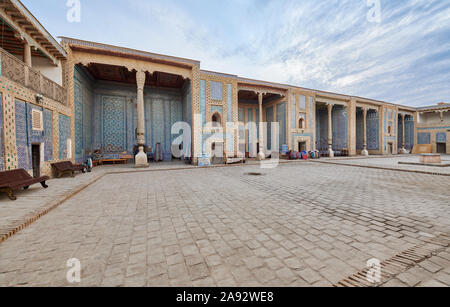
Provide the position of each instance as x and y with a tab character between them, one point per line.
36	120
301	123
390	128
216	120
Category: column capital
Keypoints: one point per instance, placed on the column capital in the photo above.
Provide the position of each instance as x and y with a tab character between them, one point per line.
330	106
140	79
260	97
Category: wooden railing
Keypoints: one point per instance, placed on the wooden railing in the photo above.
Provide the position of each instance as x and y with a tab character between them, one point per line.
16	70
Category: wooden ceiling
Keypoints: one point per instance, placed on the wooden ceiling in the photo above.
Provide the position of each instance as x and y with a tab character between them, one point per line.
12	43
19	18
250	95
123	75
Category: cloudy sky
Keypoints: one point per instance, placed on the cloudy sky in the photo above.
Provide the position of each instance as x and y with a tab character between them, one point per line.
328	45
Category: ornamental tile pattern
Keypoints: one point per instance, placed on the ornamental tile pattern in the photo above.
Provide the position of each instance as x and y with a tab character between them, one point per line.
423	138
22	135
64	135
441	137
281	119
78	102
48	135
1	133
373	130
113	124
216	90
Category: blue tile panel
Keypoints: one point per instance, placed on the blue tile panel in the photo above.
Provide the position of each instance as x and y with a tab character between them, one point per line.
23	153
423	138
269	119
114	124
216	90
131	124
78	101
340	127
26	136
293	112
2	143
110	117
359	129
373	130
441	137
251	131
64	135
435	128
281	119
241	115
409	132
301	102
203	100
257	122
311	111
48	135
390	114
230	103
83	107
322	129
217	109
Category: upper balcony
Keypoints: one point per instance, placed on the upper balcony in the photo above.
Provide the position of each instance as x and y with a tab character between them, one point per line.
29	55
17	71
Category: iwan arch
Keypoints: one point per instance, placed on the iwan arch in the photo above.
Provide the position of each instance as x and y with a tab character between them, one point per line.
115	101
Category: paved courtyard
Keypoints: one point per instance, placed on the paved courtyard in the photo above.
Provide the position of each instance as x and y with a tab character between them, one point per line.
392	162
301	224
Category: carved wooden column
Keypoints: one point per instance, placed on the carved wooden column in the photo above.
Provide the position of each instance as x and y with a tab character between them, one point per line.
261	154
141	157
27	54
330	130
364	151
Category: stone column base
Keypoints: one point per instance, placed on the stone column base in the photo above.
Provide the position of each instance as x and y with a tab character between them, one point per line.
331	153
365	153
261	156
403	151
141	158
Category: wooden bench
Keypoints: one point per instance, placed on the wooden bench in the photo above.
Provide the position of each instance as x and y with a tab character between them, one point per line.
114	161
68	167
14	180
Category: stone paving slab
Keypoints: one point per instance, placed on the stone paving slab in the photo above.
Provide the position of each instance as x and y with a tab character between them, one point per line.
37	201
301	224
392	162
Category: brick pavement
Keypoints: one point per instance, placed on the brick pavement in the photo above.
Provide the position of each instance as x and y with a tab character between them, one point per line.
304	224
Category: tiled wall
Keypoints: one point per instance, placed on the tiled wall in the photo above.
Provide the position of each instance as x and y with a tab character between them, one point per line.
373	130
409	132
321	129
114	123
48	135
269	119
114	116
281	119
340	127
23	154
26	136
2	143
83	99
64	135
164	109
423	138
